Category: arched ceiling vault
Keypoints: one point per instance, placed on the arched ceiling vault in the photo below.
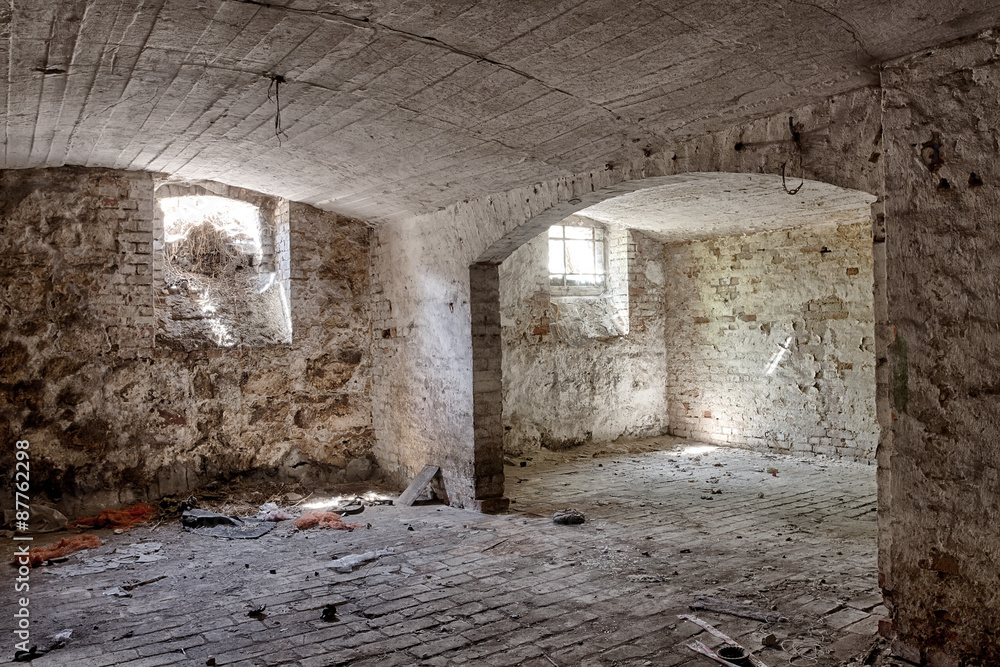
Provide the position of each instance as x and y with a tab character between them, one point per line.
696	206
390	108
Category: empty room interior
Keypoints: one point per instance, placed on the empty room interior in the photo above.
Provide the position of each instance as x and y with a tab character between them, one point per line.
555	334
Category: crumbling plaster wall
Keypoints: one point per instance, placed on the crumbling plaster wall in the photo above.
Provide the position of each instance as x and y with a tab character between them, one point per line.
422	280
569	376
110	416
942	499
771	340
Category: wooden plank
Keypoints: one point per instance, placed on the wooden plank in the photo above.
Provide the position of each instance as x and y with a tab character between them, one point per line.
418	484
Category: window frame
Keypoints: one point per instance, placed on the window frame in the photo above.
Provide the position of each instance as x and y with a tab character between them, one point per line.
599	244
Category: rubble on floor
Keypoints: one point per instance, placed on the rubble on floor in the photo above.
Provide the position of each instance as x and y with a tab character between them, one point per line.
510	589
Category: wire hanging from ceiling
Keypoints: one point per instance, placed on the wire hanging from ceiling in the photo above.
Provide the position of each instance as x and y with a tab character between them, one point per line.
797	138
276	81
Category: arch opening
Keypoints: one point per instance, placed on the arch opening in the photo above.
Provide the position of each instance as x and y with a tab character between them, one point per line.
750	323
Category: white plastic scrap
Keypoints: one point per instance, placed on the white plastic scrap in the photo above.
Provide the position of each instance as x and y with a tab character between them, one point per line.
347	564
271	512
118	592
43	519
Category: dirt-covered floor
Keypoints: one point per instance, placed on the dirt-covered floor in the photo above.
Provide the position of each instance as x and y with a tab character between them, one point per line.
668	522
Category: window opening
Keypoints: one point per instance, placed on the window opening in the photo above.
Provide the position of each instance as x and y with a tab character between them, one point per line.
221	274
577	257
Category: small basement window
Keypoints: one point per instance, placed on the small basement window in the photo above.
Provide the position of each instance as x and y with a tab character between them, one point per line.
221	270
577	260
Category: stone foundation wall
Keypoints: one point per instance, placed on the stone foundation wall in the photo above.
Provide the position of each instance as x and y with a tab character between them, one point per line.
941	495
770	341
110	416
571	372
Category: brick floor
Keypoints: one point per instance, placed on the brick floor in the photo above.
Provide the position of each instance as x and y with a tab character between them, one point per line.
468	589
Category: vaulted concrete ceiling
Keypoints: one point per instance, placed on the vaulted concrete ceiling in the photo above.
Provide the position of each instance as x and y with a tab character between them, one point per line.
395	107
688	207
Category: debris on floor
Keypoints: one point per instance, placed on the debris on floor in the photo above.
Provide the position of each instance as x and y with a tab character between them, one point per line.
118	592
43	519
125	518
141	552
732	654
721	606
329	614
58	641
350	510
568	517
647	578
63	547
323	520
213	524
132	587
271	512
257	612
347	564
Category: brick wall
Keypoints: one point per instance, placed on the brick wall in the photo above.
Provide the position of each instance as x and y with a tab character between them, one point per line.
770	341
581	368
112	417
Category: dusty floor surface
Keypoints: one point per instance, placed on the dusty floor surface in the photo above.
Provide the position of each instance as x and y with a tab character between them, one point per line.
463	588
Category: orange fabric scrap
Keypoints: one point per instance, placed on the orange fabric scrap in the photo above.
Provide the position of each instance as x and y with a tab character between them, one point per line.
124	518
323	520
63	547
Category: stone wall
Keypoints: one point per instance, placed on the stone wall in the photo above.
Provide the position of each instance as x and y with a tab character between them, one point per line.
571	372
110	416
770	340
942	493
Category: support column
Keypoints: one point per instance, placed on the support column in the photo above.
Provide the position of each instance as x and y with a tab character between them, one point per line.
484	301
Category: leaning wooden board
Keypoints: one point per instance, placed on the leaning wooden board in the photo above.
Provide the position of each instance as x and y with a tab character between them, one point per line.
418	484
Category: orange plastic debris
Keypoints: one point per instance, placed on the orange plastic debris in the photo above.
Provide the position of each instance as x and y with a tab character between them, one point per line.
323	520
63	547
124	518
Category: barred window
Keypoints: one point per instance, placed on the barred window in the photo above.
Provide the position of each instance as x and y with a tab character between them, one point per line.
577	257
